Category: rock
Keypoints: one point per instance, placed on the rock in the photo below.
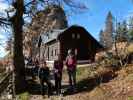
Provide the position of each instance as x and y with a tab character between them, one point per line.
53	17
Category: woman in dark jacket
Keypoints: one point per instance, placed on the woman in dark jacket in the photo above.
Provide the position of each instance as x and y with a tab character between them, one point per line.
58	67
44	75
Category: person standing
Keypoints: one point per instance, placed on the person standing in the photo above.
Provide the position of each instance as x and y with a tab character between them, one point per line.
71	69
58	67
36	66
44	76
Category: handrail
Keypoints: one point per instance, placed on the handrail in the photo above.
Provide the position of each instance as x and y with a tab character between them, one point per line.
4	82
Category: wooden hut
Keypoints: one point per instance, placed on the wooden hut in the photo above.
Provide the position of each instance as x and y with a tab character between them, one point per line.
75	37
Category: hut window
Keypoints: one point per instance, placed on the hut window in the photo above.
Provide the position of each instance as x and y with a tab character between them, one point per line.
78	36
55	52
51	52
73	36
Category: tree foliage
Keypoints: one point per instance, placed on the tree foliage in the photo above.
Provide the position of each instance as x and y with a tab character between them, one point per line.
101	37
130	32
121	32
106	36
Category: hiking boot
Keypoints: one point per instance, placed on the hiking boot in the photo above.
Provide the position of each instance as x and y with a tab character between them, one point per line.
75	90
44	96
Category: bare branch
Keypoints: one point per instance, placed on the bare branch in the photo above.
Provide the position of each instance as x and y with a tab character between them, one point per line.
73	4
29	3
5	22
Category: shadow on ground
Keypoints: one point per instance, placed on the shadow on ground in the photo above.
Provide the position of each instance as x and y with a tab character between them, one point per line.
34	88
87	84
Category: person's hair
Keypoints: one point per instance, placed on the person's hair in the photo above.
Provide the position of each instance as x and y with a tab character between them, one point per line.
71	52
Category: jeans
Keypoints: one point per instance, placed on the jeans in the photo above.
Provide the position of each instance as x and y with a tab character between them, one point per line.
58	78
49	85
72	78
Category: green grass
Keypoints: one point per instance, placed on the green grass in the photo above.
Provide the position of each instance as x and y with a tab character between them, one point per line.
130	98
81	73
24	96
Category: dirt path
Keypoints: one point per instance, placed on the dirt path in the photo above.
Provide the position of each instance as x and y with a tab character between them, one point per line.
84	86
35	93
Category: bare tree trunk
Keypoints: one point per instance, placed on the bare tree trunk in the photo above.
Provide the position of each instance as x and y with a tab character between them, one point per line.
17	24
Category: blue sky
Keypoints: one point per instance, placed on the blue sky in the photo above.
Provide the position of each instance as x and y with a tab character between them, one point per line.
93	19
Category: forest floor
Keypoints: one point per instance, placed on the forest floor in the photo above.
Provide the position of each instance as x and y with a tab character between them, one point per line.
101	83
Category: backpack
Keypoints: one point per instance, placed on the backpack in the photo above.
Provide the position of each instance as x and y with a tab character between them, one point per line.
70	60
43	73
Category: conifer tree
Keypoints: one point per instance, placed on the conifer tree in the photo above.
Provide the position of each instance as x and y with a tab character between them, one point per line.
121	32
107	35
101	38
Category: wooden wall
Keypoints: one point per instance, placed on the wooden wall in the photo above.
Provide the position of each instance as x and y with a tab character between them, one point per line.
52	50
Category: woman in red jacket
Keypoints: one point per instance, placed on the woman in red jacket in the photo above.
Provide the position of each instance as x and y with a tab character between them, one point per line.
71	63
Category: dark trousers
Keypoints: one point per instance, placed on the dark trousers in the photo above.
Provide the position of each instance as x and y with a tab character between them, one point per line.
49	85
58	78
72	78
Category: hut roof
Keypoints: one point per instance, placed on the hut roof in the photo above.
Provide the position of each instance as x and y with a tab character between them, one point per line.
51	35
56	34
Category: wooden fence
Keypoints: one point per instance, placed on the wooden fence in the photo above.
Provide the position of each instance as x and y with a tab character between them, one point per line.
5	82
